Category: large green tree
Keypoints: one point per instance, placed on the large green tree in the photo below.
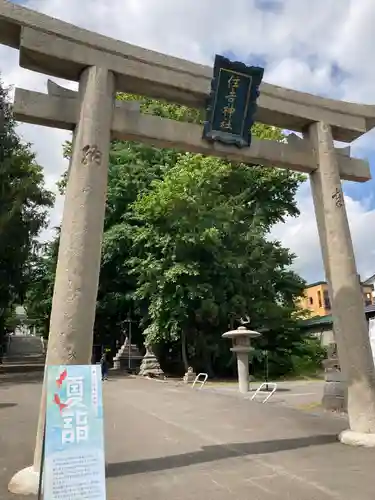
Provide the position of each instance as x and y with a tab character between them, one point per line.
202	258
24	205
186	248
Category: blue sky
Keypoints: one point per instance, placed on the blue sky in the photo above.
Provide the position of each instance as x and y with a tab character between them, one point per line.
326	54
274	6
357	191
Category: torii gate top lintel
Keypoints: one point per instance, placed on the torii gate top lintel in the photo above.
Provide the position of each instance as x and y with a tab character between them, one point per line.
60	49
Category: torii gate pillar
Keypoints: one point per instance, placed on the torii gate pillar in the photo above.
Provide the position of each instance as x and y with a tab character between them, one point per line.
78	265
351	330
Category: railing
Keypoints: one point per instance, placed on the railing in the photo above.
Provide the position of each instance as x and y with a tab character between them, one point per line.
269	393
202	382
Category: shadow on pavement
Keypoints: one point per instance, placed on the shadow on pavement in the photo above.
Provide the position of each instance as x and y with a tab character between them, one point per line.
215	452
7	405
21	378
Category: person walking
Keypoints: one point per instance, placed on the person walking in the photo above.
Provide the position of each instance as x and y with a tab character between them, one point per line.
104	366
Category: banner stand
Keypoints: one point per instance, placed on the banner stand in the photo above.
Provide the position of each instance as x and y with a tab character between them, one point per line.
40	486
73	459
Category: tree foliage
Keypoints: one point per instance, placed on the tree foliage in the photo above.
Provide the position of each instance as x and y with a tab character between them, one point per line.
23	210
187	251
202	259
38	298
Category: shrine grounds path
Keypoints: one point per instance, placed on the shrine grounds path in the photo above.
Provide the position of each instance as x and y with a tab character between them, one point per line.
165	441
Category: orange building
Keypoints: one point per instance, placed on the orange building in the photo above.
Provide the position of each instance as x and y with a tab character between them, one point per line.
316	298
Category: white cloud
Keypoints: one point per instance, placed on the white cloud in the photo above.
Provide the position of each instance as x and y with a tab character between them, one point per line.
47	143
299	45
301	236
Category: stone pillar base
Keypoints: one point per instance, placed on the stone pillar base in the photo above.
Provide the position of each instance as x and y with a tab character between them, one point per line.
335	396
352	438
25	482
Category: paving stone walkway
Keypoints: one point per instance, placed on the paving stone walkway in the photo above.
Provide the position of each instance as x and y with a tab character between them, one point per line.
165	440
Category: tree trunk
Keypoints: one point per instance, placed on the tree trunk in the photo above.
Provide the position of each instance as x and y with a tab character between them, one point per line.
2	338
206	357
184	351
208	363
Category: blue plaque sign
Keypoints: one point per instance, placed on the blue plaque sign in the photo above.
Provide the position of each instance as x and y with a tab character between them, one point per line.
232	102
74	466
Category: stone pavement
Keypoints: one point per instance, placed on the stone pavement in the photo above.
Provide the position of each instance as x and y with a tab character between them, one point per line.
168	441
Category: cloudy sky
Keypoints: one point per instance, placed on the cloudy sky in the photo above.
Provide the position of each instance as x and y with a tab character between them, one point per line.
325	51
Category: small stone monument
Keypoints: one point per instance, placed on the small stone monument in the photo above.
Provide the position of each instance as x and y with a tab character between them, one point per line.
128	357
335	390
241	346
150	366
189	376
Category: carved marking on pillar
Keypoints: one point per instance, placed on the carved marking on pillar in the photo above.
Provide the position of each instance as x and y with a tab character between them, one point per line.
72	355
338	197
91	154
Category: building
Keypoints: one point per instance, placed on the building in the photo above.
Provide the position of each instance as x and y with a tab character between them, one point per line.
316	299
370	282
321	327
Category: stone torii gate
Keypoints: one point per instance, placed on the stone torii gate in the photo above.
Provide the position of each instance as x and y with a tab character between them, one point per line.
103	66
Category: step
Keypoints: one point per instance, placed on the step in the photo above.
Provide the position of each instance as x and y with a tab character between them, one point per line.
21	368
25	345
24	359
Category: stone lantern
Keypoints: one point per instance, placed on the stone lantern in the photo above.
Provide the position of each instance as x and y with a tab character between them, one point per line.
241	346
